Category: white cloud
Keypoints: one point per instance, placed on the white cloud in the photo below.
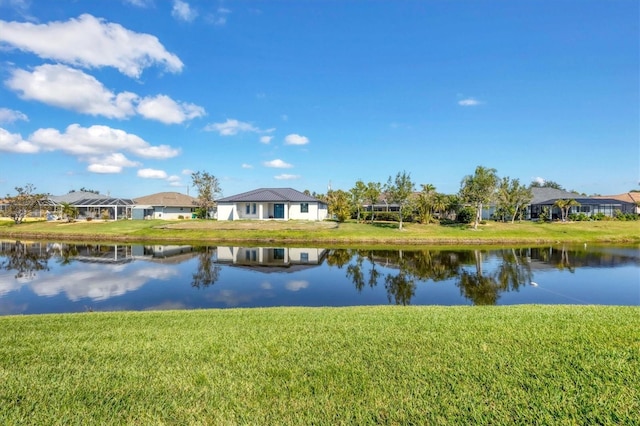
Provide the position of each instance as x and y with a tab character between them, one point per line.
285	176
182	11
174	180
168	111
9	116
247	166
96	140
112	163
266	139
187	172
295	139
220	17
469	102
278	164
139	3
72	89
13	142
231	127
539	180
90	42
152	174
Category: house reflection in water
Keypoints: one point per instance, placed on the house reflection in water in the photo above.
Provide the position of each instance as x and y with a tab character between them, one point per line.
280	257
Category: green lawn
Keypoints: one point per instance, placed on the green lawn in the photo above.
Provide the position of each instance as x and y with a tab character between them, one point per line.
327	232
325	366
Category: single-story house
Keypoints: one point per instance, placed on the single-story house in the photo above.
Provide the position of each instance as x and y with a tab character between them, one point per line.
90	205
164	205
270	257
271	203
547	197
630	200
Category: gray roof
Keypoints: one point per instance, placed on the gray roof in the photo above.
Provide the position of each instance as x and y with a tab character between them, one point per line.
272	195
74	196
540	195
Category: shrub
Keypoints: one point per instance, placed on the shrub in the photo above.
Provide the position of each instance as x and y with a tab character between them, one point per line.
89	219
180	216
466	215
579	217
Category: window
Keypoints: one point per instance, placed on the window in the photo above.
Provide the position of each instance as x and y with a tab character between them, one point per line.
253	208
304	207
247	208
304	257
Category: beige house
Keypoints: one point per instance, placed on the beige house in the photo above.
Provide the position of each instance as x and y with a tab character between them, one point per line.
164	205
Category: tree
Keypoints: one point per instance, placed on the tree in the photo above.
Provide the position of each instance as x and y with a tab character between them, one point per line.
358	197
479	189
400	191
208	189
546	184
22	204
372	196
69	211
338	204
565	206
512	196
425	202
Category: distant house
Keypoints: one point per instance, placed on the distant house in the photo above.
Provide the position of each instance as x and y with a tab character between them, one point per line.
271	203
93	205
631	201
547	197
164	205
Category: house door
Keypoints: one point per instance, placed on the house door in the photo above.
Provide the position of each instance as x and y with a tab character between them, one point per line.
278	211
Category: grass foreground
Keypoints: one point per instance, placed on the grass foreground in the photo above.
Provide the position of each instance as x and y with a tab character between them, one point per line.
304	232
362	365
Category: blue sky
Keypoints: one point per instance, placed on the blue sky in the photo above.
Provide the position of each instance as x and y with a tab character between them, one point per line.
128	97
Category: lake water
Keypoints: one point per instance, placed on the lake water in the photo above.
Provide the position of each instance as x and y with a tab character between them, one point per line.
46	277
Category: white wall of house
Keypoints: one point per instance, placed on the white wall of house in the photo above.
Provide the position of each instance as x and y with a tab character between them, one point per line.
270	255
266	211
171	213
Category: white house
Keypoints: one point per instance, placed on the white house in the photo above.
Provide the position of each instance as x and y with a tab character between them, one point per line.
164	205
271	203
271	257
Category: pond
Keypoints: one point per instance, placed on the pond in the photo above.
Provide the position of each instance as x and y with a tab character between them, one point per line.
49	277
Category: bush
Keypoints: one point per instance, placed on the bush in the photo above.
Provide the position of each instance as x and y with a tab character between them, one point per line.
579	217
89	219
466	215
180	217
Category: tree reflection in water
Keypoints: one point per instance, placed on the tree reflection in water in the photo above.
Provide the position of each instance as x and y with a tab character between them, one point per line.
25	259
475	284
208	270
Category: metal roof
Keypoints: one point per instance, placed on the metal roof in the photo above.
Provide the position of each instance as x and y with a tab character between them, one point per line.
270	195
97	202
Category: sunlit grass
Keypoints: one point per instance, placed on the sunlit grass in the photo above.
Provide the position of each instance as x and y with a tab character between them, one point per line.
364	365
328	232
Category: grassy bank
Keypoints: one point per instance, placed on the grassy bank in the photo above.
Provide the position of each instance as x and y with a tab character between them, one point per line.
365	365
326	232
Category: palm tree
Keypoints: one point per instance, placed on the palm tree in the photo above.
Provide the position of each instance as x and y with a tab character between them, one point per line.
69	211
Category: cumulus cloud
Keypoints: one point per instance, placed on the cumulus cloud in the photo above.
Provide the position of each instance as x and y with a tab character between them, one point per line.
152	174
231	127
9	116
174	180
247	166
13	142
96	140
168	111
220	17
266	139
112	163
72	89
278	164
469	102
183	12
99	146
295	139
90	42
187	172
539	180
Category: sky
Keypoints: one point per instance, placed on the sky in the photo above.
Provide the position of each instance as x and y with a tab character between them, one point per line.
129	97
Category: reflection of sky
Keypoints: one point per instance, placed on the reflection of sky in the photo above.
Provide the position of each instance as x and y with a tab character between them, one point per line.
143	285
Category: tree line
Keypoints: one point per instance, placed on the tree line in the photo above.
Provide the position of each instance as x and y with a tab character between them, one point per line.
427	205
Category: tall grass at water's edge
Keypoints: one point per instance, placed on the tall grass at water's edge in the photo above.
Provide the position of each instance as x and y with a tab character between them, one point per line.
359	365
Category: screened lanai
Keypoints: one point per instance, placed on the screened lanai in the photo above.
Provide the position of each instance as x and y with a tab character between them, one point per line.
104	208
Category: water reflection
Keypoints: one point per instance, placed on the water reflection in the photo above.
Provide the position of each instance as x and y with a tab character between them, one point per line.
73	276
